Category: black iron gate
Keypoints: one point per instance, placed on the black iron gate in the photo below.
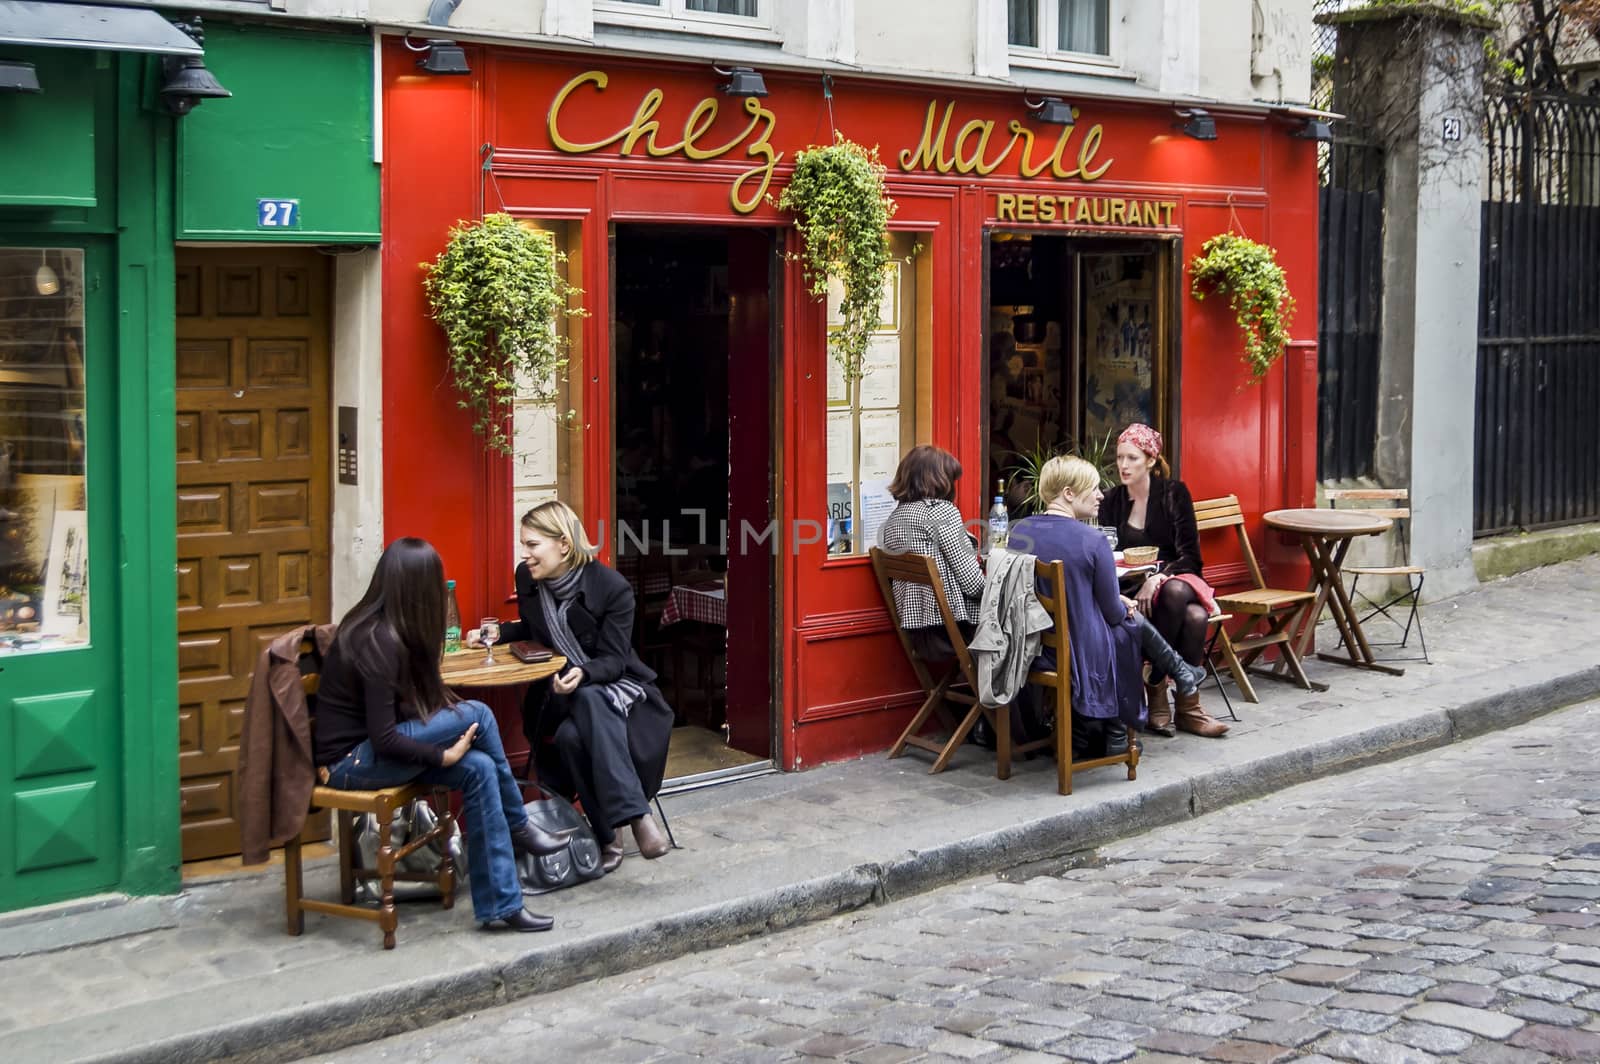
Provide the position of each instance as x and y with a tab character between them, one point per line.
1350	297
1537	460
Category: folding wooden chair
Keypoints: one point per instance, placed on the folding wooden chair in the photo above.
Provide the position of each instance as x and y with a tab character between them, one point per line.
1413	575
959	682
1278	608
1059	639
383	804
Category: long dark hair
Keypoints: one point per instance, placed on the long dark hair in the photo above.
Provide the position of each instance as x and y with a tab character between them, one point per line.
404	608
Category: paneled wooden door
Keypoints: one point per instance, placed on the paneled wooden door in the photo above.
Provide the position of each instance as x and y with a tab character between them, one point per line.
254	498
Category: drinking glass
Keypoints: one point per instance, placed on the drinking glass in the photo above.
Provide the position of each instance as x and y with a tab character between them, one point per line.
489	632
1110	532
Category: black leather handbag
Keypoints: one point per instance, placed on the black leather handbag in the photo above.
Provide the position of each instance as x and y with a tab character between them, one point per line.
578	861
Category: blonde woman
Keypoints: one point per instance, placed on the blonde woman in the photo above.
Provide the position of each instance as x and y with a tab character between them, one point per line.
1108	634
603	713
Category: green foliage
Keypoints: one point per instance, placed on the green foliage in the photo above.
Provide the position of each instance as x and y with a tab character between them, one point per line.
1480	8
496	291
842	213
1257	289
1024	471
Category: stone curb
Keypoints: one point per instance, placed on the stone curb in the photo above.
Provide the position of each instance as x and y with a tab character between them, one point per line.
329	1025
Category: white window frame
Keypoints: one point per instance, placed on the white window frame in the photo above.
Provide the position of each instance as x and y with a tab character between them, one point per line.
1048	55
675	15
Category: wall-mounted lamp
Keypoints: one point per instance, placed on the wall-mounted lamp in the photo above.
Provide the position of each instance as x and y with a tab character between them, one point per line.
440	55
742	81
1052	110
45	279
17	76
1318	129
186	80
1197	123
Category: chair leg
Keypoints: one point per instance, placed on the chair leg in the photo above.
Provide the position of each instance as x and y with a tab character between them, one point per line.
1063	751
1211	667
293	887
447	866
1240	675
388	916
956	739
1416	611
662	813
1002	745
345	820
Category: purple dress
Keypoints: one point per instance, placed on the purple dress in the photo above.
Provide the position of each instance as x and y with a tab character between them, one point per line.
1106	658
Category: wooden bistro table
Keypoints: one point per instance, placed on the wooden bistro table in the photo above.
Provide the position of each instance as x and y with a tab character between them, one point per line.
465	668
1325	535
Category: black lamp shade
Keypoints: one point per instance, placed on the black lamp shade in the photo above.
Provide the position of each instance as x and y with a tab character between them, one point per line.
1318	129
444	57
17	76
188	82
743	81
1199	125
1054	111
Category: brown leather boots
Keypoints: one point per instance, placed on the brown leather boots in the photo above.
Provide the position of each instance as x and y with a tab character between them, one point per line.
1160	719
1194	719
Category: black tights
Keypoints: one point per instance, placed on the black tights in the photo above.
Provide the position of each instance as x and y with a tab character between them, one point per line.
1180	618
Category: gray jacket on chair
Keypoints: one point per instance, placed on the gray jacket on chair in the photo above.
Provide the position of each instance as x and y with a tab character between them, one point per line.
1010	622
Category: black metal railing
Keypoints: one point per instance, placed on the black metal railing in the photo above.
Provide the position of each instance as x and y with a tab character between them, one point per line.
1537	460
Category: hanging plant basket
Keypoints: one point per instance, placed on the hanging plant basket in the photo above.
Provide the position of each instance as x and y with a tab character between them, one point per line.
497	292
842	211
1258	291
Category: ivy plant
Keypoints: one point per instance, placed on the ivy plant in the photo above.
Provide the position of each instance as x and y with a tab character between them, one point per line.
842	212
1257	289
497	292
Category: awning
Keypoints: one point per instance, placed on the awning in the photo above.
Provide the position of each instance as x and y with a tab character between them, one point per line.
112	29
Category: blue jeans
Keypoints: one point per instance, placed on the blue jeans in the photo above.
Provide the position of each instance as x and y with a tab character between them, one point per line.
492	801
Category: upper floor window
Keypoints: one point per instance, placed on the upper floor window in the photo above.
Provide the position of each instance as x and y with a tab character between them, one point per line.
688	14
1062	28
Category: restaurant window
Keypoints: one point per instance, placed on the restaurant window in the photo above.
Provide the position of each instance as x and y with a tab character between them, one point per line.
548	421
687	14
1064	28
874	420
44	519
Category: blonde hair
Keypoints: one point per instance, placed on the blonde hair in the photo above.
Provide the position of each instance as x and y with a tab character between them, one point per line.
559	521
1066	473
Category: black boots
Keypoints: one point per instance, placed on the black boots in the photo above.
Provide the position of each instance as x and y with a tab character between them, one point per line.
532	839
521	920
1185	677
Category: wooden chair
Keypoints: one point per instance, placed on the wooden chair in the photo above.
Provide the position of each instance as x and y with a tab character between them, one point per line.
959	682
382	804
1277	608
1413	575
1053	574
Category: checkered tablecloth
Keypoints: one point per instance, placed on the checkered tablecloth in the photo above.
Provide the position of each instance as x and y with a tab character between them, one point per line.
707	604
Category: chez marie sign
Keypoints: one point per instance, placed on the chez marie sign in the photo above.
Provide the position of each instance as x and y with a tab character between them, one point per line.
979	147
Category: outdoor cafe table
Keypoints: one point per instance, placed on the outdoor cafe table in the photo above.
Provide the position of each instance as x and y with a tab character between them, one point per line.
1325	535
704	602
465	668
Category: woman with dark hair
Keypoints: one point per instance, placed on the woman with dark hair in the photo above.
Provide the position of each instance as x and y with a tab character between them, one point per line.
1150	509
384	717
603	714
926	521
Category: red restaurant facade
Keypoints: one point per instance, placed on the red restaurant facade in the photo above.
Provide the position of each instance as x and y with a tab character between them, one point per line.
628	163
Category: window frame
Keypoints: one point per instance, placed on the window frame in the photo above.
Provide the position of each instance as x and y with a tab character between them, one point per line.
675	16
1048	55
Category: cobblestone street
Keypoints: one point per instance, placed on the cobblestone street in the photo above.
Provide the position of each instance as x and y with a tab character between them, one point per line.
1446	907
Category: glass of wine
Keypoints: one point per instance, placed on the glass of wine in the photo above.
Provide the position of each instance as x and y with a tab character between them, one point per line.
489	632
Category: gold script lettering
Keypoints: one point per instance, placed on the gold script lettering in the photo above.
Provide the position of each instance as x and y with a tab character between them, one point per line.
968	154
644	127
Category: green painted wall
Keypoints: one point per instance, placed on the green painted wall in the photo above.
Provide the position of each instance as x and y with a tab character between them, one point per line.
57	125
298	126
91	804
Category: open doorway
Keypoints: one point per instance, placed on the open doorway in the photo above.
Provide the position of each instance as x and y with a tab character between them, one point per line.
693	426
1080	344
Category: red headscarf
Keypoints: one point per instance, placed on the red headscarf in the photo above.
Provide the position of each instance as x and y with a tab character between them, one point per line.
1143	437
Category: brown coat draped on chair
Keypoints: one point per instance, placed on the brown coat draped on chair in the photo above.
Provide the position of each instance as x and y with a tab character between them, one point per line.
276	774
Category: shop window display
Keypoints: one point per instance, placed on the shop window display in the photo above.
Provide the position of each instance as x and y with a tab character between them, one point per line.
44	548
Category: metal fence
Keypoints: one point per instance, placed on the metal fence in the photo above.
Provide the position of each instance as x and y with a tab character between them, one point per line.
1349	280
1537	451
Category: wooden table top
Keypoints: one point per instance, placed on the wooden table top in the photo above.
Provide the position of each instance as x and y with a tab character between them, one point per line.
1332	523
465	668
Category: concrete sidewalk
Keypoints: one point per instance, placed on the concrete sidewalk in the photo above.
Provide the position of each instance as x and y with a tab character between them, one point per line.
215	976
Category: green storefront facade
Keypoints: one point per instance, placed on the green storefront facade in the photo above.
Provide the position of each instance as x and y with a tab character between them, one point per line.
100	187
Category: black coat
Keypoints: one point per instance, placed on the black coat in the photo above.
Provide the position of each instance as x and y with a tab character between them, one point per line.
601	620
1168	523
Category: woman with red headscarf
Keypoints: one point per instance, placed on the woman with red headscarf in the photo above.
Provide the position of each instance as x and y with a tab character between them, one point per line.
1150	509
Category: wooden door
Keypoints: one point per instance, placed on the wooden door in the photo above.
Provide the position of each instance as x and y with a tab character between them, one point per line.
254	498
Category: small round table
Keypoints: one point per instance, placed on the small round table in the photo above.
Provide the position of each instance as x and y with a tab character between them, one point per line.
1325	535
465	668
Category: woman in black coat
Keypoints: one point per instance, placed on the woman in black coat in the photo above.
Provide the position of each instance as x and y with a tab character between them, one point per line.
1149	508
609	724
